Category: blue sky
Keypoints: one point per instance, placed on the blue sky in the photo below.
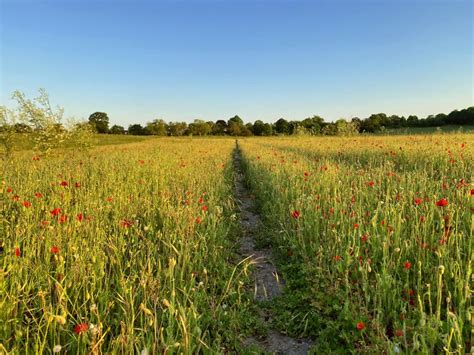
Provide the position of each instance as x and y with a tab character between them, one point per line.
181	60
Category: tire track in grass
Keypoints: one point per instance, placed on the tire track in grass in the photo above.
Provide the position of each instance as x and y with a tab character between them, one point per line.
268	284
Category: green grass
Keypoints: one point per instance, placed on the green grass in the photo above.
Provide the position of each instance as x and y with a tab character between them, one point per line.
25	141
369	245
430	130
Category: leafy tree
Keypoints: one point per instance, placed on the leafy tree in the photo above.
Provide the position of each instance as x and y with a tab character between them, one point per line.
177	128
248	129
234	128
219	128
329	129
136	130
236	119
282	126
267	130
115	129
412	121
44	120
357	122
258	128
100	122
344	128
199	128
313	125
157	127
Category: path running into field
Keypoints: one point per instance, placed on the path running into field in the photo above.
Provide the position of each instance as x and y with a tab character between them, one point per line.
267	282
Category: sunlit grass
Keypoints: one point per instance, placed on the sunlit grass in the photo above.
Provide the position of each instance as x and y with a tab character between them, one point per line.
385	261
120	250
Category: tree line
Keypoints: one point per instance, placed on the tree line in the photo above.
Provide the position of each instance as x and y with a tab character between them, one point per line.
314	125
30	116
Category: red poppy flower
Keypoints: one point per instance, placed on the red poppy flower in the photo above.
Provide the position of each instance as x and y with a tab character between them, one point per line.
360	326
418	201
364	238
36	158
201	200
9	189
407	265
399	333
356	225
27	204
38	194
55	212
81	328
422	218
109	199
371	183
80	217
77	184
17	252
442	203
296	214
331	210
62	218
64	183
198	220
337	258
54	249
472	192
306	173
126	223
204	208
15	198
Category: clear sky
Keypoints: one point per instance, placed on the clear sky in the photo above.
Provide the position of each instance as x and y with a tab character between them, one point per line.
180	60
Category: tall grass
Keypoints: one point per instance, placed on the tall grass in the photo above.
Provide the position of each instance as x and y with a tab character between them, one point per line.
126	249
378	232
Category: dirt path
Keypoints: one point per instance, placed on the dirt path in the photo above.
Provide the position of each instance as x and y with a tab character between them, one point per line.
267	282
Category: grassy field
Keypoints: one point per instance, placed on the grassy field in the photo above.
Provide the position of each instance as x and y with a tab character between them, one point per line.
25	141
127	248
132	248
430	130
375	235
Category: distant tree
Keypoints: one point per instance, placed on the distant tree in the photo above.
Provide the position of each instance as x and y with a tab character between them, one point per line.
136	130
267	130
219	128
177	128
412	121
115	129
236	119
344	128
357	122
157	127
100	122
211	124
258	128
394	121
329	129
248	130
374	122
282	126
235	126
313	125
199	128
463	117
297	128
